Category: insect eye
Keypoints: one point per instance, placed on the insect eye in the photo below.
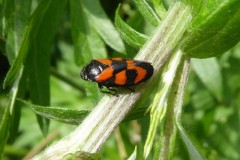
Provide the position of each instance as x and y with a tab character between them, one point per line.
94	71
90	72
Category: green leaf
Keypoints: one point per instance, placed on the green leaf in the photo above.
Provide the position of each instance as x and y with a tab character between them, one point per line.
14	38
215	30
7	27
87	42
36	24
133	155
42	27
73	116
14	123
15	17
193	152
195	5
6	14
103	25
209	72
4	128
17	64
159	8
147	12
65	115
22	9
16	29
131	36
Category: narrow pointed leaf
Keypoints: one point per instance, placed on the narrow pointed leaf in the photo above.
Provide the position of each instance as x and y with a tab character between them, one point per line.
4	128
193	152
209	72
7	7
72	116
14	38
132	37
17	27
16	14
133	155
103	25
42	27
65	115
159	8
14	71
147	12
29	36
87	43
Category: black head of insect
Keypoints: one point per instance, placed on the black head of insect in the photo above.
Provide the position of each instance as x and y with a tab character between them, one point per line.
92	70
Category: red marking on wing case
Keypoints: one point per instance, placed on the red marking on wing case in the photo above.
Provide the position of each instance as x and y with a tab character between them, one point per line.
106	74
130	64
141	73
121	78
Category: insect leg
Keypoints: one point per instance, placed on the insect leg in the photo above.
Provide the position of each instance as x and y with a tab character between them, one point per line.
130	89
110	90
101	89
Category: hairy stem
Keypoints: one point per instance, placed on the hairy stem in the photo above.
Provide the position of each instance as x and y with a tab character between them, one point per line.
174	110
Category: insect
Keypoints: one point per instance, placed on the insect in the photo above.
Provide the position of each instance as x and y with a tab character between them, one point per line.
117	72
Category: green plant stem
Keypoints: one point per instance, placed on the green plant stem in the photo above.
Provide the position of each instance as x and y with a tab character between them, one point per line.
91	134
174	110
181	89
161	102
